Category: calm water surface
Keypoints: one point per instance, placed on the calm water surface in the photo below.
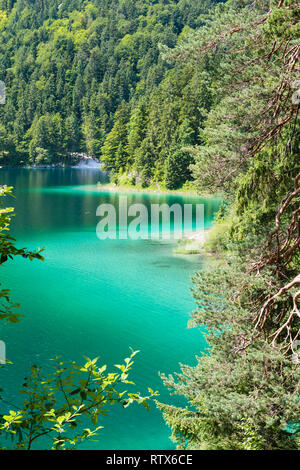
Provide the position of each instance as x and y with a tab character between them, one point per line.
97	298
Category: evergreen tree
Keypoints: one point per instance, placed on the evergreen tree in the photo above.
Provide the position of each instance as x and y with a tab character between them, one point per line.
82	60
244	391
178	163
115	149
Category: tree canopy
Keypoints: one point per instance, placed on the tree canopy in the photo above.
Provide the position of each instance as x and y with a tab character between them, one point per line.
244	391
79	74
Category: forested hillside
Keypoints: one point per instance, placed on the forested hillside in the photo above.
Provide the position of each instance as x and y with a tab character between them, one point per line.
88	77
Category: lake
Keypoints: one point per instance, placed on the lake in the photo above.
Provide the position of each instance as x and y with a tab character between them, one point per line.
97	297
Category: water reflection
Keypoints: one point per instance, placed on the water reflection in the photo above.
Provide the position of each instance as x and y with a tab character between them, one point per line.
66	199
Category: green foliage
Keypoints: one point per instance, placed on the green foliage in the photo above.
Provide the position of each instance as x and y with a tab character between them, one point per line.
219	236
162	93
245	76
61	405
177	165
266	183
88	77
244	391
115	149
238	397
46	137
8	251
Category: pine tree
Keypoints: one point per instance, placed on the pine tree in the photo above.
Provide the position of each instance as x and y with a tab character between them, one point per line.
114	153
243	392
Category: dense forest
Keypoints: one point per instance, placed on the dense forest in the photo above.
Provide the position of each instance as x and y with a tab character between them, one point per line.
168	92
89	77
245	393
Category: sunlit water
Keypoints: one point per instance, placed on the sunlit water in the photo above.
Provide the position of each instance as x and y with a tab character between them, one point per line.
97	298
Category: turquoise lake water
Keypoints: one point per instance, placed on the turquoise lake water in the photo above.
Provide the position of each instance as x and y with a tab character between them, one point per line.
97	297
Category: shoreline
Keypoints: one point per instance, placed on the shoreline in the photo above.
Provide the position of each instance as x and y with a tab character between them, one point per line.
153	190
193	243
112	187
73	160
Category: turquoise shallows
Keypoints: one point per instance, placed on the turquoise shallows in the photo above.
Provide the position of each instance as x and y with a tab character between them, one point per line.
97	298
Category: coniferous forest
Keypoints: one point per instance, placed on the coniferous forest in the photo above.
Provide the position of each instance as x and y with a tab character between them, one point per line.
192	96
89	77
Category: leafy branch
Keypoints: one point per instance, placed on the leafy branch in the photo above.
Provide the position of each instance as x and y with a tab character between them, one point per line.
59	406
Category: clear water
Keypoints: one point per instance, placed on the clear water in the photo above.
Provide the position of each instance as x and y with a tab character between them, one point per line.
97	298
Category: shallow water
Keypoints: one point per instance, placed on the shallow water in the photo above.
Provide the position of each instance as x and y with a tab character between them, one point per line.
97	298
